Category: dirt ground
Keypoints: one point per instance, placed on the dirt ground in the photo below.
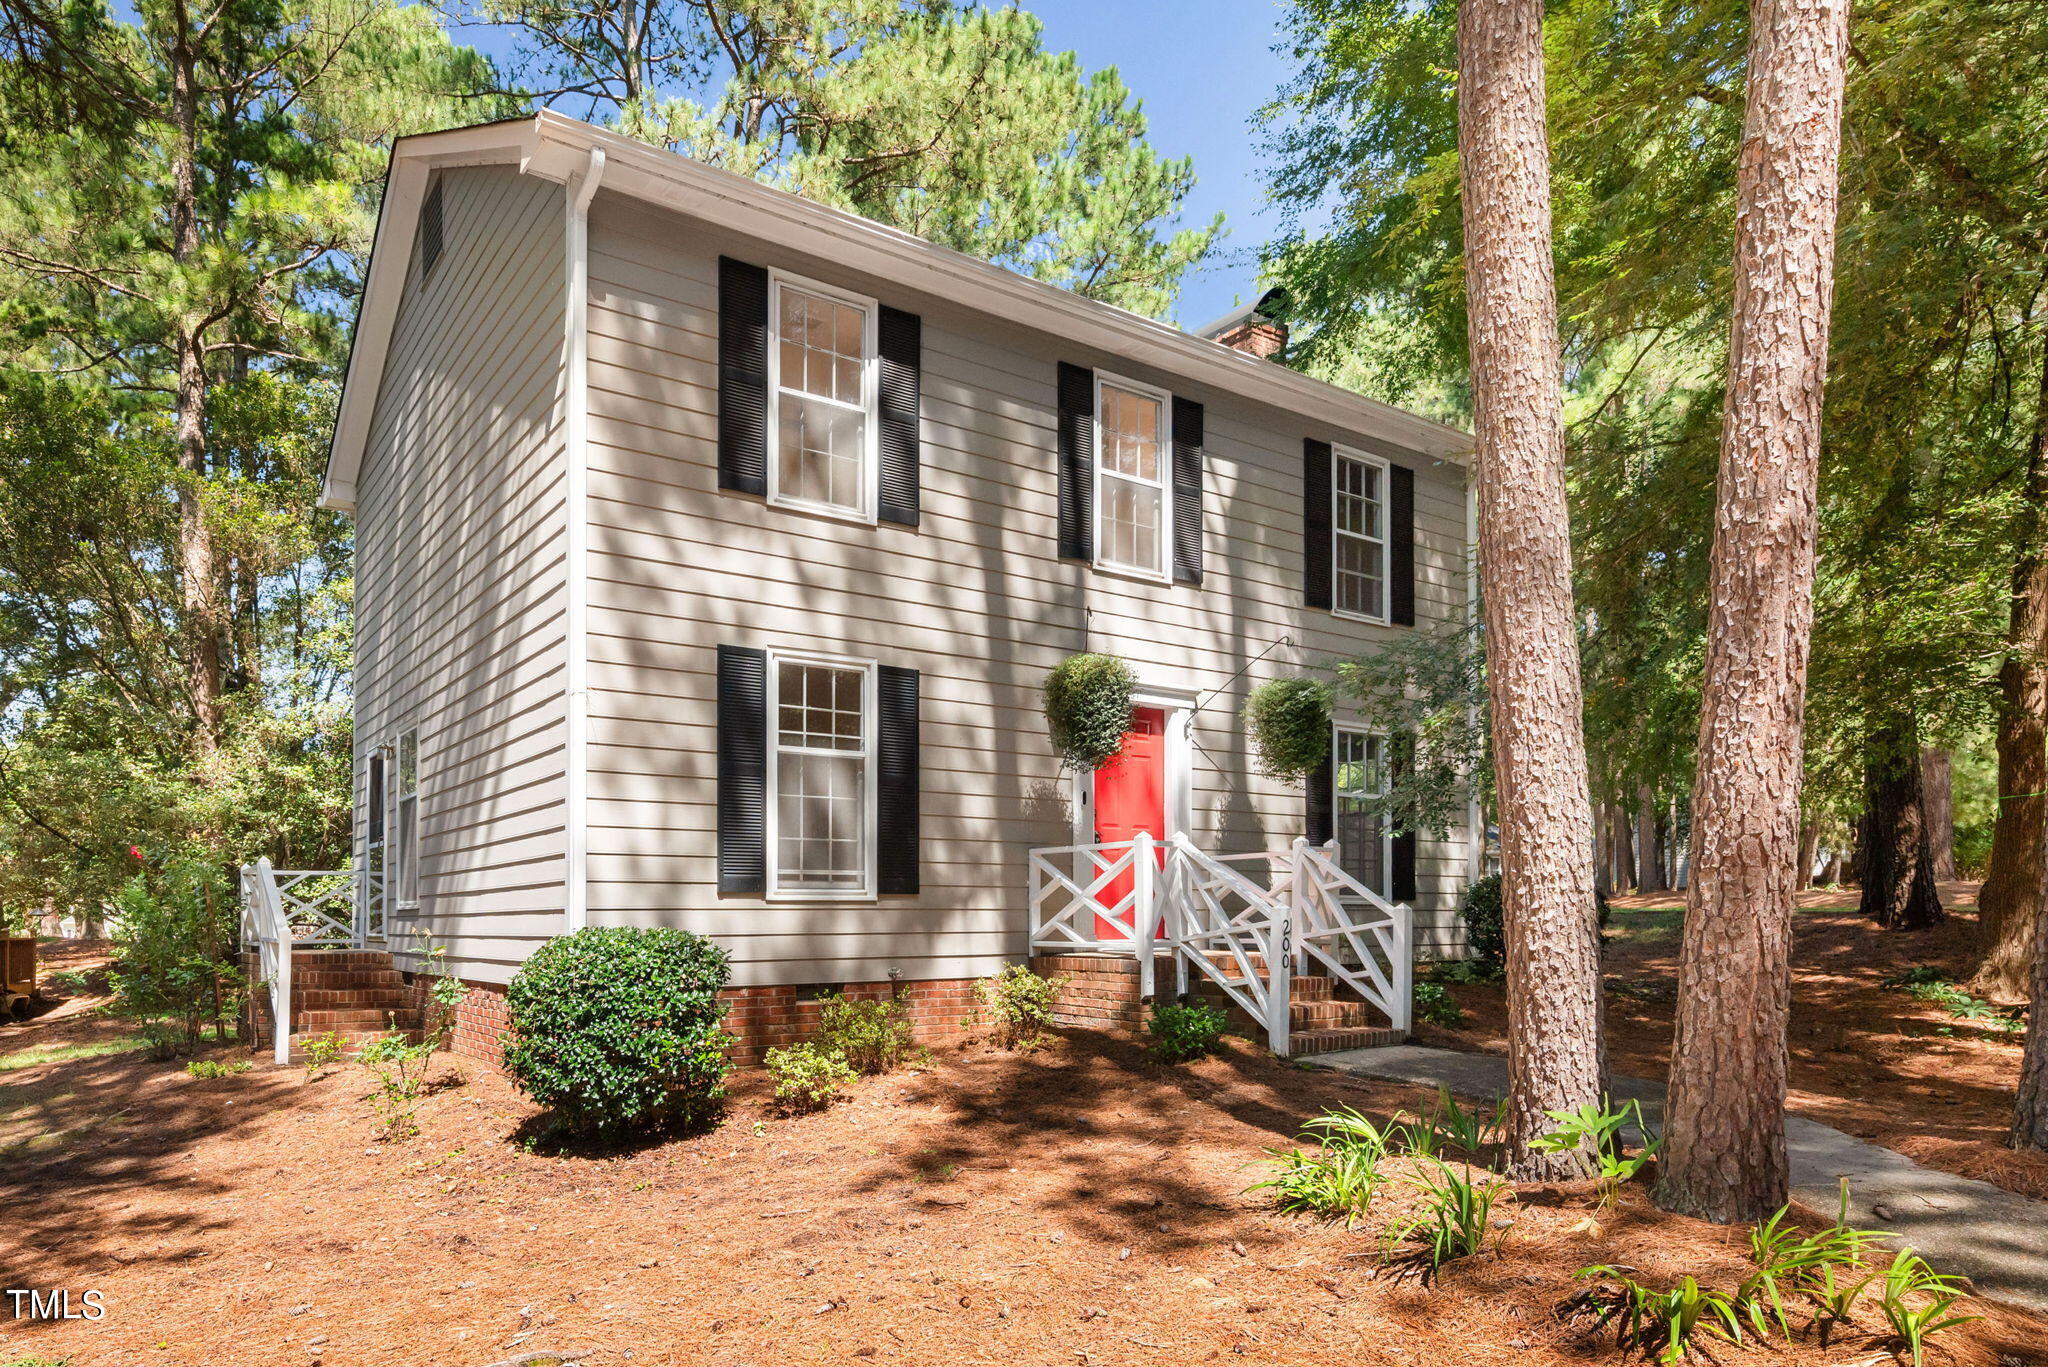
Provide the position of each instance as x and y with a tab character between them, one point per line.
1076	1205
1867	1059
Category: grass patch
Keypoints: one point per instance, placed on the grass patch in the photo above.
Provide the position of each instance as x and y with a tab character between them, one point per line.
1646	927
38	1054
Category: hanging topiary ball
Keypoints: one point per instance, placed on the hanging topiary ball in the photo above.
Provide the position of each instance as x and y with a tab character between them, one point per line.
1088	708
1288	721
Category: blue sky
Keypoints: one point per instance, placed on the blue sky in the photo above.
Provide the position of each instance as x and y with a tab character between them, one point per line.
1202	68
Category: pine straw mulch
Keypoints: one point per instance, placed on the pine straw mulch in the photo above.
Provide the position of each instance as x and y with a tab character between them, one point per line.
1867	1059
1077	1205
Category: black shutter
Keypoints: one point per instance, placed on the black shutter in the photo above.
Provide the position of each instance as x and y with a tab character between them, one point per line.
900	341
1401	878
742	377
742	769
1401	553
1322	798
374	822
1077	459
1315	523
1187	492
897	799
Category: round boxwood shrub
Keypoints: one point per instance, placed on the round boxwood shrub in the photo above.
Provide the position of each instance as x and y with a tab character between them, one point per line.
1486	939
1288	721
617	1029
1088	708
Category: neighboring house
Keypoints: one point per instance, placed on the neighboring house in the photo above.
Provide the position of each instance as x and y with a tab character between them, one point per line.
712	547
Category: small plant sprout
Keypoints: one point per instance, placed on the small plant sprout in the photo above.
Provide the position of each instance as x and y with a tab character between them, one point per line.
1602	1129
323	1051
1915	1301
1452	1220
1666	1323
1340	1178
216	1068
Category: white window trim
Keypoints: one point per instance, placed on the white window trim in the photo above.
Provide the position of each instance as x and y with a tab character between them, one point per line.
871	477
1338	730
394	801
1164	573
1338	455
871	770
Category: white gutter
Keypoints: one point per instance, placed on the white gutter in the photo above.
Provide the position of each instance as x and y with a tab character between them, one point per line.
582	188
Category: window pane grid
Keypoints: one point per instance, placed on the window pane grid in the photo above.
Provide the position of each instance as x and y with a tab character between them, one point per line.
1133	492
821	777
1360	778
1359	545
821	403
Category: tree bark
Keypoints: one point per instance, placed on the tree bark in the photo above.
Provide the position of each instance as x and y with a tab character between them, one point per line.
1898	870
1809	849
2030	1105
1831	874
2010	904
1546	817
1938	807
1649	869
1724	1148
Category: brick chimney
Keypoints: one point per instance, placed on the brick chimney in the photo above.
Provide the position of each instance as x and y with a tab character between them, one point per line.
1258	330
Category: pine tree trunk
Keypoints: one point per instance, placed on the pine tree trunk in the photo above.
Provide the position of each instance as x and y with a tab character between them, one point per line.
1546	818
1938	808
1649	874
2010	904
1724	1147
1809	849
2030	1106
1898	871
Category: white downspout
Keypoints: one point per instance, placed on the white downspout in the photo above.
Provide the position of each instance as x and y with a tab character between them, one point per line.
576	510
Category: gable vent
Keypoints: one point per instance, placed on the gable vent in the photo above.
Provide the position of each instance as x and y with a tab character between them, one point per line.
430	231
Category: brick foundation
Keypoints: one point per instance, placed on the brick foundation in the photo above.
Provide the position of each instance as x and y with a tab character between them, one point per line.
940	1011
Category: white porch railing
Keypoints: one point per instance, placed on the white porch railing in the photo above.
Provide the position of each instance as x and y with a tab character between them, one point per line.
1249	923
288	909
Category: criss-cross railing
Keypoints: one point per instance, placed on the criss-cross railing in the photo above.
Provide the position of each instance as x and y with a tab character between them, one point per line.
1247	922
288	909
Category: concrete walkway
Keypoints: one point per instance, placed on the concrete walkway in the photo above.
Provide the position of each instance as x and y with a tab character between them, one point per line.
1995	1238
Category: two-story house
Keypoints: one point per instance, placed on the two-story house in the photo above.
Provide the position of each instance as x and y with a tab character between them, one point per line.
713	546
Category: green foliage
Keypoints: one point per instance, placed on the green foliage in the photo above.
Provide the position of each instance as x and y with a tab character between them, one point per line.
1434	1003
1454	1213
1664	1322
1601	1131
323	1051
871	1033
1485	931
1916	1302
399	1067
1821	1265
618	1029
174	971
1427	690
1927	984
807	1076
1288	721
1020	1002
1087	702
946	120
217	1068
1184	1030
1340	1178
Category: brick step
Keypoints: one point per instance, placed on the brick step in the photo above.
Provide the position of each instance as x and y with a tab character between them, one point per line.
330	979
353	1039
350	1018
381	998
1332	1015
1303	1042
340	958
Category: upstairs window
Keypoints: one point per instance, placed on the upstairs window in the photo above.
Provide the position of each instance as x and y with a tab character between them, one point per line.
1132	492
821	382
821	779
1359	543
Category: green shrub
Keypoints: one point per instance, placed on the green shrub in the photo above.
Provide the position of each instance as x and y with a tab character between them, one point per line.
1288	721
216	1068
399	1066
807	1076
1087	700
1973	849
1020	1003
323	1051
1434	1004
174	940
1915	1301
1485	936
1339	1179
1452	1216
1664	1322
1185	1030
872	1034
618	1029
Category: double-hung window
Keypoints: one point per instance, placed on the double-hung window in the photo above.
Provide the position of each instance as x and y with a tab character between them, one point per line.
405	815
1359	543
822	381
1359	775
821	776
1133	495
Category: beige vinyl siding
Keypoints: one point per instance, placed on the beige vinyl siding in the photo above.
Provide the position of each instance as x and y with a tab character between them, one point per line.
975	599
460	585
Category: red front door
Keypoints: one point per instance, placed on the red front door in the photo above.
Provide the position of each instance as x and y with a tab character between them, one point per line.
1130	796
